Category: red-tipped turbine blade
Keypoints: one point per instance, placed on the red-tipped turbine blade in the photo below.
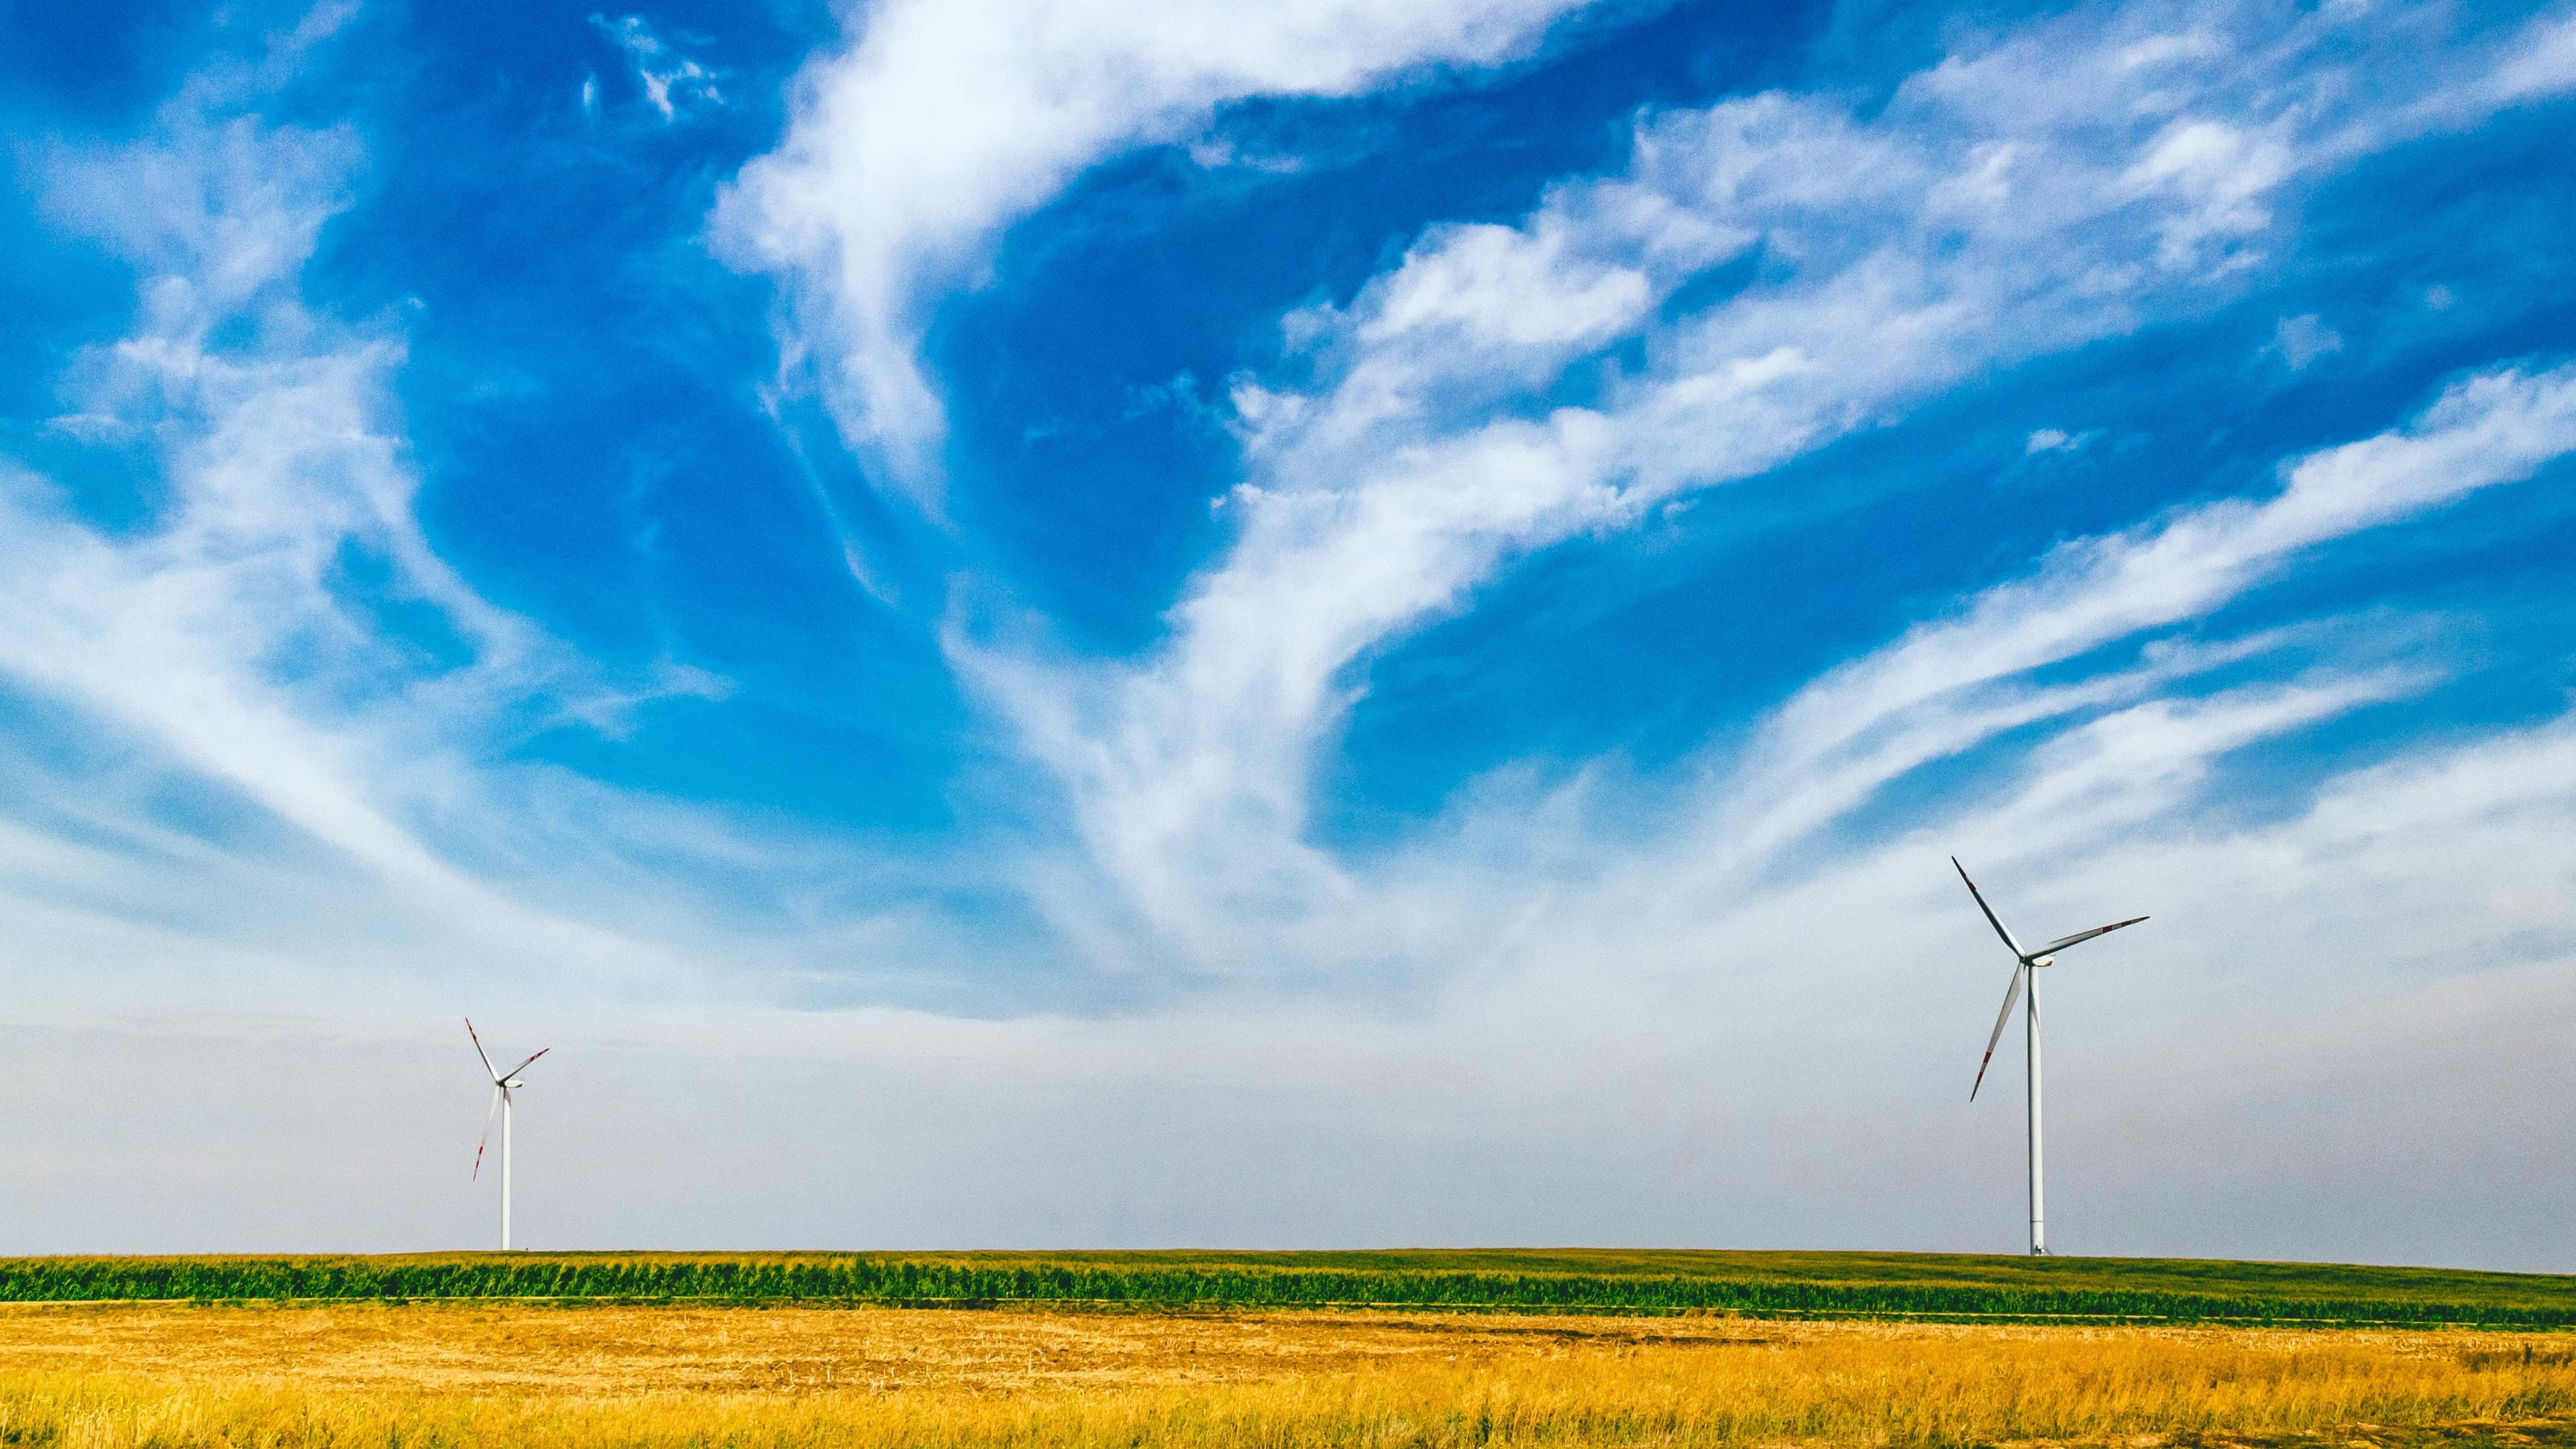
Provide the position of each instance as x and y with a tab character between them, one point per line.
523	1066
488	1114
2010	944
478	1048
2011	994
2063	942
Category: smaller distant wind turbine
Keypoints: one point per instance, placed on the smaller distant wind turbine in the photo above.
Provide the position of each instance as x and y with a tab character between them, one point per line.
503	1084
2024	963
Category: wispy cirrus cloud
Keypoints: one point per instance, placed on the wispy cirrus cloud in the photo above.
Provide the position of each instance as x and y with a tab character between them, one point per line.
2061	183
942	122
1950	683
275	454
277	623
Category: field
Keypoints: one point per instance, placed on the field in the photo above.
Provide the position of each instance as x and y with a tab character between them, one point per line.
1773	1285
485	1376
1233	1351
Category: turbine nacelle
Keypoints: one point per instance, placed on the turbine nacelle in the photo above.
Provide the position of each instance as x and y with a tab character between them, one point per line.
2043	960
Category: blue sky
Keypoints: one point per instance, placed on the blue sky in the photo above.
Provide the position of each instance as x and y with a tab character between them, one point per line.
1036	623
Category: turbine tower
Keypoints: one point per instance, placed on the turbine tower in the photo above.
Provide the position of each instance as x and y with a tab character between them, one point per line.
503	1084
2024	963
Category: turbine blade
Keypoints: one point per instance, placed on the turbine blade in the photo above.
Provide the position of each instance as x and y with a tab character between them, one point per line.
488	1114
2018	952
523	1066
2012	994
2063	942
478	1049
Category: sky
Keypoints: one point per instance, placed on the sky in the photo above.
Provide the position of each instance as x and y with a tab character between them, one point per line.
1106	623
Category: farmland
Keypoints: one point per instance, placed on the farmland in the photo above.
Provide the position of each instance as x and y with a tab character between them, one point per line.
1200	1350
486	1375
1773	1285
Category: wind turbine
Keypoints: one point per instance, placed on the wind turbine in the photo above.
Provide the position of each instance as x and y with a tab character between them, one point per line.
503	1084
2024	963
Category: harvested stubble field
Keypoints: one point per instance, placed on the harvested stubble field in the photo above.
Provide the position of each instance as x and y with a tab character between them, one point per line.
472	1375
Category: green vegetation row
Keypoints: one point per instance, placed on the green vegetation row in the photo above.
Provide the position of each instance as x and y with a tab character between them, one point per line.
1586	1281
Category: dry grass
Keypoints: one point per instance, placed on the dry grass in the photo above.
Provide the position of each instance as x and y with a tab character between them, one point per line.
539	1378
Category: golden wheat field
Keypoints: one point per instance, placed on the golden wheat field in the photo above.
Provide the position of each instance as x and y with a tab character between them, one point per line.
551	1378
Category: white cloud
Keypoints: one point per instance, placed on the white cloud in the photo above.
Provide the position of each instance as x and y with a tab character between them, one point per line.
264	739
2541	64
672	82
2303	339
945	120
2048	189
1920	698
276	457
1717	891
2224	179
221	643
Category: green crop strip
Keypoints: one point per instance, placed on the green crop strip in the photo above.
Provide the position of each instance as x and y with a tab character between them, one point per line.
1785	1284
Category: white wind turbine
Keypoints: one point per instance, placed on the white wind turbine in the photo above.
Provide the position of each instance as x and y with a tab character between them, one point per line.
2024	963
503	1084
